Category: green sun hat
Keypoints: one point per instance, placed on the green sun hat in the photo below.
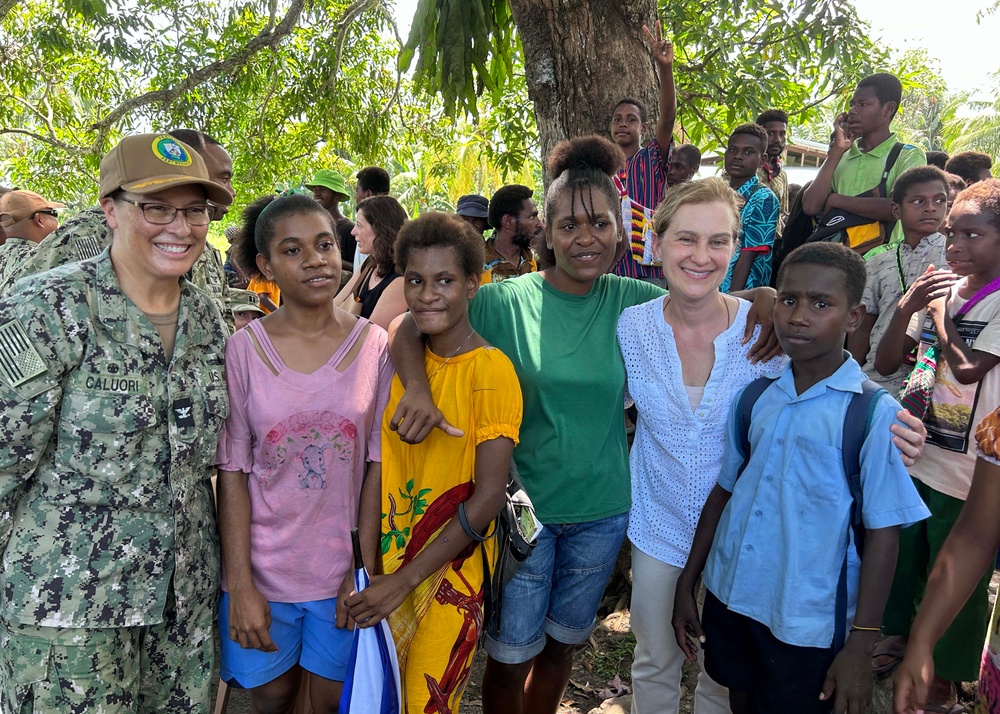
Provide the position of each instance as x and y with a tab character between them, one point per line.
328	178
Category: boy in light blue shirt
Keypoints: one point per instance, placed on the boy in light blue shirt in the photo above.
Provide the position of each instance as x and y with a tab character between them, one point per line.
773	543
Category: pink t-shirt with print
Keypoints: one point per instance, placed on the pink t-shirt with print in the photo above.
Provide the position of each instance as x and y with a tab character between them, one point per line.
304	440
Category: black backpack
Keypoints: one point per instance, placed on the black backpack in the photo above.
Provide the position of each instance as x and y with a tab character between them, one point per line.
857	422
798	228
834	226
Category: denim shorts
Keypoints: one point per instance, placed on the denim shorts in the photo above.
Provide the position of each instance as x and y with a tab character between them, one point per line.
305	634
557	590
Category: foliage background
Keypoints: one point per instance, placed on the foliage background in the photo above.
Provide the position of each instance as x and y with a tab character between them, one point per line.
289	87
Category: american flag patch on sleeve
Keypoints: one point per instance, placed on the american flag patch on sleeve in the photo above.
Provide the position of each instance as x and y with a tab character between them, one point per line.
87	247
19	361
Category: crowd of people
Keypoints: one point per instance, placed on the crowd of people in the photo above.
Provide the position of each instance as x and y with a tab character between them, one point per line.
188	439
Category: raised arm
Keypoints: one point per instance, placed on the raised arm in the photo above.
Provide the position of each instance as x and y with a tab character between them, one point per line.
967	364
877	209
814	198
663	55
895	343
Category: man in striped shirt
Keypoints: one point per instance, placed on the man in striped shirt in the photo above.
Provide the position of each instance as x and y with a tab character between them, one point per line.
644	175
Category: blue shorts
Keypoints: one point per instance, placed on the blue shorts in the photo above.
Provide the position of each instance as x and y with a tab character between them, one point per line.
557	590
305	634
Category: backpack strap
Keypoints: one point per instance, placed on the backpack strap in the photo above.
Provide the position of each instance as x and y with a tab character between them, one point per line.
744	411
857	424
890	161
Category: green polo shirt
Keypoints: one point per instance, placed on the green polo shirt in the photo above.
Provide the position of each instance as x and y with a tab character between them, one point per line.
860	171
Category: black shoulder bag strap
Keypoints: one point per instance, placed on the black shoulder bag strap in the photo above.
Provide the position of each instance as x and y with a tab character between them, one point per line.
890	161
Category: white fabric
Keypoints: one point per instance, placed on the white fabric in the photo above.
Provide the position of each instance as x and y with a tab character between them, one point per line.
656	670
956	409
359	258
677	453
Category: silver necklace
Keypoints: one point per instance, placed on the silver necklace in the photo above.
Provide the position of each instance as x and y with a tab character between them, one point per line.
459	349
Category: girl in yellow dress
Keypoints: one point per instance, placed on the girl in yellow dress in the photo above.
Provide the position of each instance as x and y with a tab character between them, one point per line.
432	584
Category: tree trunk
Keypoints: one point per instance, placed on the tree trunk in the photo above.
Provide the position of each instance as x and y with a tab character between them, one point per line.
581	57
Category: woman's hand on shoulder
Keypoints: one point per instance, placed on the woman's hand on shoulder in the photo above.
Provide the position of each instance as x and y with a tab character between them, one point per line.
416	415
762	313
909	438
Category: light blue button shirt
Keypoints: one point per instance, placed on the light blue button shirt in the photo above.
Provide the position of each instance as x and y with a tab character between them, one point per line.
780	544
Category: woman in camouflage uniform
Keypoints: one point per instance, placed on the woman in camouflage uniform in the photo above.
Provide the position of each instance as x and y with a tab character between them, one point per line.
112	397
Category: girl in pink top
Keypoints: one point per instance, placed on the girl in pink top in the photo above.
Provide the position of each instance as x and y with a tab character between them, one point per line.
307	385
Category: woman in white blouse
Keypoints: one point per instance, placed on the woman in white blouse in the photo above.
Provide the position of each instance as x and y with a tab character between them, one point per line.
686	361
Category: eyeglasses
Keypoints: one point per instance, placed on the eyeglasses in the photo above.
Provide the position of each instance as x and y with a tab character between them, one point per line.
160	214
47	212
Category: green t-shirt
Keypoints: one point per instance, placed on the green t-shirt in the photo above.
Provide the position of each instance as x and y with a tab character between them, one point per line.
859	171
573	454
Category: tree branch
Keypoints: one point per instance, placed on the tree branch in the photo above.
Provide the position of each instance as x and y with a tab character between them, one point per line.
6	6
710	125
264	40
352	12
806	107
68	148
399	73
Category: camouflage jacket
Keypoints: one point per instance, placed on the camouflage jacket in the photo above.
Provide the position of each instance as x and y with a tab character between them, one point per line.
14	254
209	275
106	452
87	234
83	236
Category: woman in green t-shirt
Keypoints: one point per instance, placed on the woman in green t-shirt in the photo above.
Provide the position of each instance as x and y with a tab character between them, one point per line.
558	329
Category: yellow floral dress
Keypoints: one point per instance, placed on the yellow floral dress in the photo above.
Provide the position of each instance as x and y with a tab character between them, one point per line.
437	627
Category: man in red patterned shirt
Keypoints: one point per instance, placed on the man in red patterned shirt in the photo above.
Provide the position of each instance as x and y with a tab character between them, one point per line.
644	176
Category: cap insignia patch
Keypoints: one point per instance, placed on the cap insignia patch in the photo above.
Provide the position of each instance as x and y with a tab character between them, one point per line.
169	151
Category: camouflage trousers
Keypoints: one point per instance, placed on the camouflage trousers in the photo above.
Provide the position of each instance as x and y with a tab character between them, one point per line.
154	668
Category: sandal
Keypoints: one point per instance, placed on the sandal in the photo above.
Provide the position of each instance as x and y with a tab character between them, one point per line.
956	708
893	648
